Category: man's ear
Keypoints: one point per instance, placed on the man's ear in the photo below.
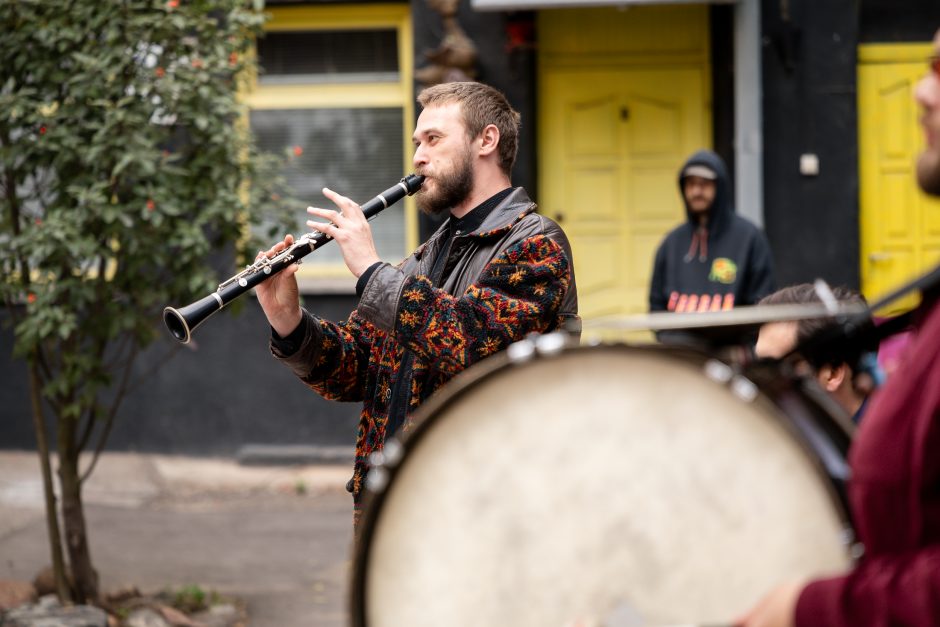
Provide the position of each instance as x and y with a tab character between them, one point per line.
831	377
489	140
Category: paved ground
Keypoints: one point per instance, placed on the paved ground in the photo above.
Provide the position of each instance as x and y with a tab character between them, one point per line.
278	537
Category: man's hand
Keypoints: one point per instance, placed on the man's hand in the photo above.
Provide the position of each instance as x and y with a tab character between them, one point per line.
777	609
278	295
350	229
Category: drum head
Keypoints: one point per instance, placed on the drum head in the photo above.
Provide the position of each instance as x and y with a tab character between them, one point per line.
600	482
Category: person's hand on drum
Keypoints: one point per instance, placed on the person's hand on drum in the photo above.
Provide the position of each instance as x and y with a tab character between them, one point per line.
776	609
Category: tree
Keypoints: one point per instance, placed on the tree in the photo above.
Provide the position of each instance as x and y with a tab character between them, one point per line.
124	163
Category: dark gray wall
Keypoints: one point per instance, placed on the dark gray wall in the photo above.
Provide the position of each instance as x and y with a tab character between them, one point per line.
512	71
212	397
721	25
16	426
898	20
809	99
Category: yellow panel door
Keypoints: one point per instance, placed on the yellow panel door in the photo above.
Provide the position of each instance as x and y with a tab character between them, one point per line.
900	225
612	143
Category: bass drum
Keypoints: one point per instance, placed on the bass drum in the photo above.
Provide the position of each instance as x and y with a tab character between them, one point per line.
606	485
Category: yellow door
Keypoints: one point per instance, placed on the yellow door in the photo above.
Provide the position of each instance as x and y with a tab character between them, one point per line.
900	225
610	168
619	112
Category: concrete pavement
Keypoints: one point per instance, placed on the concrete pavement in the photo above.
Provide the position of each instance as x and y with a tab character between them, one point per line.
278	537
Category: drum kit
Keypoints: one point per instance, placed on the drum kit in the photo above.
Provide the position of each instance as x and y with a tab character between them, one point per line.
575	483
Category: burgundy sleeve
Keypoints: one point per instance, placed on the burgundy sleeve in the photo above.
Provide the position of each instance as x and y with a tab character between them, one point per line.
895	496
887	590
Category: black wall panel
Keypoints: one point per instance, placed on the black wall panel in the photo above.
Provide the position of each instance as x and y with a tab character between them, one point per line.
809	98
212	397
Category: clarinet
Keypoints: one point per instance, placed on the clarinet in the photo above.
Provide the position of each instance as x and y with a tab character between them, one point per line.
183	321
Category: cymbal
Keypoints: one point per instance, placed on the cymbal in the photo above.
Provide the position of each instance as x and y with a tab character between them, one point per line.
743	319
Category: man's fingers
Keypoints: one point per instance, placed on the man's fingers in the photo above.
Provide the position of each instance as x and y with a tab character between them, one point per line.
324	227
349	207
332	218
326	214
290	270
288	240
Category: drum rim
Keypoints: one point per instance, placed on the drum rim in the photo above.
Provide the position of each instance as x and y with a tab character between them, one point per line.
429	412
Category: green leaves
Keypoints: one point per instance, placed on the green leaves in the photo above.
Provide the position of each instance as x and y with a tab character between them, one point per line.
122	170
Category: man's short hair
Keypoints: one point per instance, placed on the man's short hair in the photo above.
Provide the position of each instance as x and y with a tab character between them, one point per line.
481	105
836	349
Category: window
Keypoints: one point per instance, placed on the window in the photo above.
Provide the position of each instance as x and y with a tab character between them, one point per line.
335	92
329	56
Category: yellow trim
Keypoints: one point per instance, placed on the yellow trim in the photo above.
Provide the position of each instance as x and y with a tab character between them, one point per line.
894	53
396	94
338	16
626	60
327	96
406	69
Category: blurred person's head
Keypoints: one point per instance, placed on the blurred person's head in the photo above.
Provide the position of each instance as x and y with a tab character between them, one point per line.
836	362
703	182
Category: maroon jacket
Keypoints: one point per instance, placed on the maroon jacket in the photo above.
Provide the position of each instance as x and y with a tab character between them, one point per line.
895	500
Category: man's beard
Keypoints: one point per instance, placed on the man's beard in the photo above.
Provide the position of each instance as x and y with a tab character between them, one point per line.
701	212
452	188
928	172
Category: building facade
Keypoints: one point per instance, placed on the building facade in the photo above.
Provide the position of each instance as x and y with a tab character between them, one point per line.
809	103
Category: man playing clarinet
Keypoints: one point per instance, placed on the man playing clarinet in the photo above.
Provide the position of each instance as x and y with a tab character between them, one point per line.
493	272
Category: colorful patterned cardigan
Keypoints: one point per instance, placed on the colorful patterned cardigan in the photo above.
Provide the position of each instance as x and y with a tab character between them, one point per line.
517	279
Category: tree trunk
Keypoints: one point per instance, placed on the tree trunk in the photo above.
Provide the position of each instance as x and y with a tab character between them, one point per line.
52	518
84	577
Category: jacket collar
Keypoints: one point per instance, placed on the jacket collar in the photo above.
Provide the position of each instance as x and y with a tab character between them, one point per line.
516	205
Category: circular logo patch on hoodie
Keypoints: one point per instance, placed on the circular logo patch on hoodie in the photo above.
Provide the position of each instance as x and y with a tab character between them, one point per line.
723	271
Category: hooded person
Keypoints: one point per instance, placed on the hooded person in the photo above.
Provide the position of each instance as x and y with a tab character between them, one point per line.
716	260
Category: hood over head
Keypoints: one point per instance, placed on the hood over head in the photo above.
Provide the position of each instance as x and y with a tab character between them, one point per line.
709	165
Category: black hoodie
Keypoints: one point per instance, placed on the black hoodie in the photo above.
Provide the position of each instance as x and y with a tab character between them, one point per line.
714	267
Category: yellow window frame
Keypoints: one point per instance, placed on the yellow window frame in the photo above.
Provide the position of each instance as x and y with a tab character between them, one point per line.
353	95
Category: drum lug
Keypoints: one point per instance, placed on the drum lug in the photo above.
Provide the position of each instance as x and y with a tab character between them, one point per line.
855	547
551	343
390	454
545	345
379	462
377	479
521	351
717	371
744	388
393	452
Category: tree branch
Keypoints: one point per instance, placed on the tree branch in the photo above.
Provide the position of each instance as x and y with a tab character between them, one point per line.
112	413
